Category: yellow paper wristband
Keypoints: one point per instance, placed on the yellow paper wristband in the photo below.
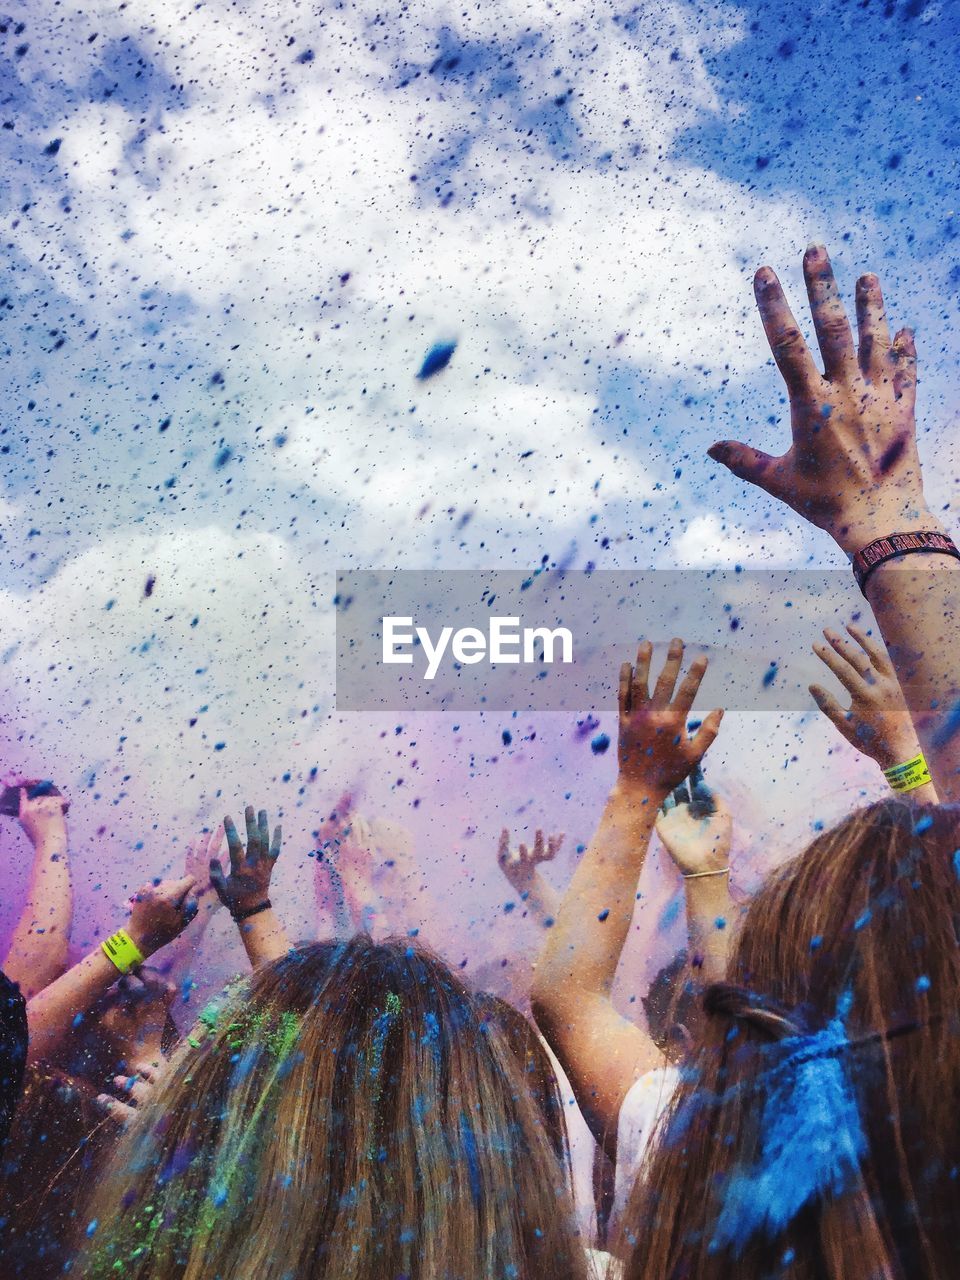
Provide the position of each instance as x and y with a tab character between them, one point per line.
121	950
909	775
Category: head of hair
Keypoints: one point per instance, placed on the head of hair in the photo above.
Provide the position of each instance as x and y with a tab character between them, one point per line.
669	1005
846	971
59	1142
353	1115
521	1038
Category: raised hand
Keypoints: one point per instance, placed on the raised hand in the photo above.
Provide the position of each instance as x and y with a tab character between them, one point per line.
519	865
877	721
251	867
160	911
852	467
198	854
654	748
696	829
43	816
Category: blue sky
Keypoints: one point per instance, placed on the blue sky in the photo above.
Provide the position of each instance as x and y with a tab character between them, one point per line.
233	232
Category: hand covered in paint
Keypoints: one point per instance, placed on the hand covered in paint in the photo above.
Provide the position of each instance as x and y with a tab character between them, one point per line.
132	1092
696	828
852	467
520	865
654	748
160	911
248	884
878	721
43	817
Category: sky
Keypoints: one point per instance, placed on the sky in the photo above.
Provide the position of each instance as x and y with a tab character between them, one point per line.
233	232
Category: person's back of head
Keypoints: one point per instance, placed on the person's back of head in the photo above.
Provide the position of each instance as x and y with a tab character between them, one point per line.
815	1132
349	1116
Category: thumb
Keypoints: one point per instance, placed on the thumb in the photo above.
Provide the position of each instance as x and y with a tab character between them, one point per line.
745	462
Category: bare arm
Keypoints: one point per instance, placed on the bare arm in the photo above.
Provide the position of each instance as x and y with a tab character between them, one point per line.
245	891
38	949
696	829
158	914
521	866
602	1052
853	470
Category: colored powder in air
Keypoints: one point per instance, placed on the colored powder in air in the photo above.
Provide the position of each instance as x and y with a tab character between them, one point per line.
811	1142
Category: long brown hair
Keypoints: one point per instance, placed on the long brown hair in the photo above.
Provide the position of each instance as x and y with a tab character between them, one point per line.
836	1041
351	1117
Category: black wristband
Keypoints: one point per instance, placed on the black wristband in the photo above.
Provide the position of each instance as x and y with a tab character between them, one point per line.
240	916
900	544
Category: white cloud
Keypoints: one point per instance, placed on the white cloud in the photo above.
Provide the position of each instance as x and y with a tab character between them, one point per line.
709	541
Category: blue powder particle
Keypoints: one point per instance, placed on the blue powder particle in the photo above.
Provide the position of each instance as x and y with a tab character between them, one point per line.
949	727
863	918
92	1226
956	863
770	675
816	942
720	922
923	983
603	914
600	743
507	737
436	359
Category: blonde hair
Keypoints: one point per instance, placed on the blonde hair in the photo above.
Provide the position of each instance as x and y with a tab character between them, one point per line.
846	975
351	1117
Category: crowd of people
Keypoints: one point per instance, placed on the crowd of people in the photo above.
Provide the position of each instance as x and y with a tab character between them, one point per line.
785	1101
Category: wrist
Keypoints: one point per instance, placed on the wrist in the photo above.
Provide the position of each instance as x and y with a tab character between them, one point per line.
863	528
639	792
50	842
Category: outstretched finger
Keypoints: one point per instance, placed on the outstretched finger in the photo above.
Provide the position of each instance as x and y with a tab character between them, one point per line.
639	690
218	879
753	465
873	648
832	709
853	654
873	332
553	846
538	846
706	734
503	848
234	845
276	843
829	315
689	686
904	355
783	333
623	691
667	679
253	833
849	677
263	833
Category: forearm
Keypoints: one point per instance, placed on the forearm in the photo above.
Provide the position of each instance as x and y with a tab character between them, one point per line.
541	900
38	950
264	938
52	1013
710	911
916	601
582	949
